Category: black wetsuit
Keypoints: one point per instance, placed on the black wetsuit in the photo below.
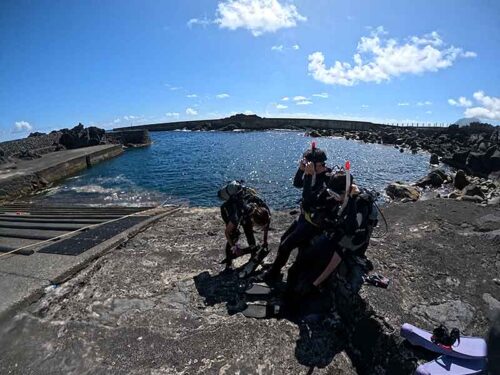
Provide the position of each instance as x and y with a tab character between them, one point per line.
301	231
348	235
237	211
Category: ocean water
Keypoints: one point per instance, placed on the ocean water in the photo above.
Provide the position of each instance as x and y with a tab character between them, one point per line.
189	167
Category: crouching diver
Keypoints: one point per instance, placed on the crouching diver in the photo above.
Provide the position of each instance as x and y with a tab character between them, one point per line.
312	176
243	207
347	223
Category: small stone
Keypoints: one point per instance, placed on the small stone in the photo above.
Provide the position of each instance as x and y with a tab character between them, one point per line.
494	201
496	281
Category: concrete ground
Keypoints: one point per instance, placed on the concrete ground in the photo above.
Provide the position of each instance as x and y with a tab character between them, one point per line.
159	304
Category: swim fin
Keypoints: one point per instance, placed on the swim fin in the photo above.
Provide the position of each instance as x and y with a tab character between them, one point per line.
261	289
253	263
261	310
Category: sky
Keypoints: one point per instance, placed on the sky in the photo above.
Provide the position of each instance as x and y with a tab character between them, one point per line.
113	63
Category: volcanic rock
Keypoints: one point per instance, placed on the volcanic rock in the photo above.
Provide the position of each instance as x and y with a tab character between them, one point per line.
460	181
398	190
472	190
80	136
435	179
434	159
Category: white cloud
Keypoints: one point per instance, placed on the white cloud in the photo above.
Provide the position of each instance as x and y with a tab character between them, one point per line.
428	112
191	96
299	98
257	16
172	88
285	98
197	21
379	58
248	112
461	102
281	106
117	120
304	102
421	104
281	48
364	106
129	117
191	112
222	96
323	95
488	108
173	114
403	104
469	54
22	126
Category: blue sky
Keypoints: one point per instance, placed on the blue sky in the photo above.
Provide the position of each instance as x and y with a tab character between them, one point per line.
116	63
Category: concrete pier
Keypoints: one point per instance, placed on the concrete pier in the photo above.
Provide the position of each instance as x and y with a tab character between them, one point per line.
30	176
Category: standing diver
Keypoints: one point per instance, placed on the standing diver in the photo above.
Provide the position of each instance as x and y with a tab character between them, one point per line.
312	176
242	207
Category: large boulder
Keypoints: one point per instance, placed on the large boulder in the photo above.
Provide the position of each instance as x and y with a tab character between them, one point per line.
483	163
435	179
399	190
389	138
26	154
494	161
460	181
434	159
36	134
473	190
457	160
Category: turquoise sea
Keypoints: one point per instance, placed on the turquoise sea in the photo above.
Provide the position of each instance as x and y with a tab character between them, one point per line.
190	167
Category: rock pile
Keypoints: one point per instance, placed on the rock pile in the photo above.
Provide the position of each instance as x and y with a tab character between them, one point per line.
80	136
457	186
474	149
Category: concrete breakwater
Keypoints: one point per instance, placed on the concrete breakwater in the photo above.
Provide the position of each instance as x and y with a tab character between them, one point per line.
29	176
254	122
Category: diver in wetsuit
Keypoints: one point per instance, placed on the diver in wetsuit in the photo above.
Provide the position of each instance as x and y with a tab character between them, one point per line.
242	207
312	176
347	222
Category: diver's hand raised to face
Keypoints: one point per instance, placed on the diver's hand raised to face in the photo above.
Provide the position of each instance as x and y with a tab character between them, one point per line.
302	164
309	169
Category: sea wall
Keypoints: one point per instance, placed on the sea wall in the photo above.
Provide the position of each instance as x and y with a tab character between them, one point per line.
134	138
35	175
255	123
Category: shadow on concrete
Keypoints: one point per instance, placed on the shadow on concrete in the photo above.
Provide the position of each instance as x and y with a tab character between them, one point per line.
316	346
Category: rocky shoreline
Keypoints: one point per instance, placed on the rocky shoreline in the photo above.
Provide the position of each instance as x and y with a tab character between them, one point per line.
448	185
475	148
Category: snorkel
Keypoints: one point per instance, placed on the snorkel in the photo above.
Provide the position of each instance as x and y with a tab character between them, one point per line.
347	186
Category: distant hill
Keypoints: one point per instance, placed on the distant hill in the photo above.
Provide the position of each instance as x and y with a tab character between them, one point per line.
466	121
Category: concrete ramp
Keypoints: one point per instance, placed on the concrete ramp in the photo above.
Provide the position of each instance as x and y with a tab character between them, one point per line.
75	229
43	245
